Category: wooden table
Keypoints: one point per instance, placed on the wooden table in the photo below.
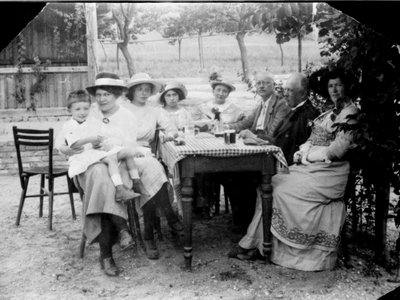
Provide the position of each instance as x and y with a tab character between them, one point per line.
210	154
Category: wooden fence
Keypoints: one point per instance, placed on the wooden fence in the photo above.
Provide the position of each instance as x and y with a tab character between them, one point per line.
58	83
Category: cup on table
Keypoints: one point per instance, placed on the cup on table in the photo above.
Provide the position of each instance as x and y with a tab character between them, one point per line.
190	130
230	136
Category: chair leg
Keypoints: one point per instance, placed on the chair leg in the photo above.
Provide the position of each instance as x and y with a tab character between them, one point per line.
134	223
71	197
216	195
226	204
42	195
51	198
22	200
82	246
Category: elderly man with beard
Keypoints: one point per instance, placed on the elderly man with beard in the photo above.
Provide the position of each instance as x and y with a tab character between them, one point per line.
295	129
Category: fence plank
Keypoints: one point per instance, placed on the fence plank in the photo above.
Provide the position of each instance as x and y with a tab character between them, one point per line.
3	98
61	69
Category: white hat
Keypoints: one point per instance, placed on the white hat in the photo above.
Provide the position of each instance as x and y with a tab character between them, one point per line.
229	85
174	86
140	78
106	79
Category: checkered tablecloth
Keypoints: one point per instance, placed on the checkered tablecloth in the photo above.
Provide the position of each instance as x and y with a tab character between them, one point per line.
212	146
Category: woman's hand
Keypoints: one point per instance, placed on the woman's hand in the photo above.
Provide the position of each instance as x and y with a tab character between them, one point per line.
168	137
297	156
247	134
304	159
66	150
97	141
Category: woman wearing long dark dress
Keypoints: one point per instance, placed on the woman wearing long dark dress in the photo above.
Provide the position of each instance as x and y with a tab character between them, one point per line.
308	209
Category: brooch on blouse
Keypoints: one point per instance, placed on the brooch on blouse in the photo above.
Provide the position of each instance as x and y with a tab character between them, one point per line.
106	120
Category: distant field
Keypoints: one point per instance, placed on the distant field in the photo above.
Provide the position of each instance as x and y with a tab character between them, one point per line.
221	53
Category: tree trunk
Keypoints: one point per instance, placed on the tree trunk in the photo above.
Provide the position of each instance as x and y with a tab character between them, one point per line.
179	49
243	54
280	48
117	57
200	43
299	49
129	61
381	213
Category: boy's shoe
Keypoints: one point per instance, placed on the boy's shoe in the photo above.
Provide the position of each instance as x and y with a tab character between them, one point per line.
122	193
137	186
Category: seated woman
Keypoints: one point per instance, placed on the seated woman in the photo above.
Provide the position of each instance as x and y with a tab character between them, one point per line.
219	107
225	113
308	211
169	99
104	217
140	88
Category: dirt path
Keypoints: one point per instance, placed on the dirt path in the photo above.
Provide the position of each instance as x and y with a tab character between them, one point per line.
40	264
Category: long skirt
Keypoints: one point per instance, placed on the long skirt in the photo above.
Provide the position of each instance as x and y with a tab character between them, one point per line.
100	192
308	215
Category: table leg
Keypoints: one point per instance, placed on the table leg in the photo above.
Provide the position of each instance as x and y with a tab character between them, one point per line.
187	202
266	200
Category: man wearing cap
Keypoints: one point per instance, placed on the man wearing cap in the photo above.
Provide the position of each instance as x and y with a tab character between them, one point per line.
295	129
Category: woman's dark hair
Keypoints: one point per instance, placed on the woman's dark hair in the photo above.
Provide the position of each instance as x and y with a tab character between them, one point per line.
337	73
178	91
76	97
115	90
131	90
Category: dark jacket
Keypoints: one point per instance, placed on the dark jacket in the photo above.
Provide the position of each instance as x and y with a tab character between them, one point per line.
295	129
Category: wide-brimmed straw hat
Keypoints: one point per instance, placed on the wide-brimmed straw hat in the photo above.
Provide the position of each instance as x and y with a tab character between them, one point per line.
140	78
229	85
182	91
106	79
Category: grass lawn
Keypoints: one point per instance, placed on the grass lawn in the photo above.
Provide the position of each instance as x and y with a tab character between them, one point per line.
221	53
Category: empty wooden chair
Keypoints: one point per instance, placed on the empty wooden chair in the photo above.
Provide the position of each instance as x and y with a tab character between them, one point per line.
39	140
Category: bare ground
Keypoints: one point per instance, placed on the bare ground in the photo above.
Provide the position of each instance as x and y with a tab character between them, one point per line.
40	264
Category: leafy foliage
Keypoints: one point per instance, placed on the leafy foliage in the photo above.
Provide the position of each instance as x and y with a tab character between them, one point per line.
287	20
373	63
69	35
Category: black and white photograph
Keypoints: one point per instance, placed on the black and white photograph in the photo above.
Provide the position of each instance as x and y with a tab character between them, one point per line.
200	150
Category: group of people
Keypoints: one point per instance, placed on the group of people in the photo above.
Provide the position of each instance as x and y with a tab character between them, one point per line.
109	147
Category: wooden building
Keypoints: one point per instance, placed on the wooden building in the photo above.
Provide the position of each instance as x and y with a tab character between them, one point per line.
46	61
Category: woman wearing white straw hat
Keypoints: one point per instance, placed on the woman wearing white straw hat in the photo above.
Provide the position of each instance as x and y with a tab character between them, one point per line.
225	112
105	218
140	87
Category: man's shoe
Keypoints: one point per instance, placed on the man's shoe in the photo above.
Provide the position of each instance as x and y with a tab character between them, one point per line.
125	239
108	265
237	250
151	249
122	193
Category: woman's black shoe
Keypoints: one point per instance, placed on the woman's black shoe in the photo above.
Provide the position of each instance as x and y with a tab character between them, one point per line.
108	265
